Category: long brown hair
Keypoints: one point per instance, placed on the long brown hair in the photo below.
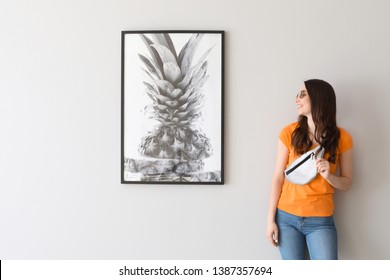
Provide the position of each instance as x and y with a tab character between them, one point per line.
323	110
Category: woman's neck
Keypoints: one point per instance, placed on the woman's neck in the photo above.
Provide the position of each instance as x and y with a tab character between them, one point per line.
310	123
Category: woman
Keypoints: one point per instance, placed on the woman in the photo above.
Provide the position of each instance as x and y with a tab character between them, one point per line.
299	216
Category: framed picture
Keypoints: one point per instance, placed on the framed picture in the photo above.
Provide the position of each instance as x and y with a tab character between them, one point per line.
172	107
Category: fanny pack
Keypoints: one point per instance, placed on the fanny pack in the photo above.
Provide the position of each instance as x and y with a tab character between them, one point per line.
303	170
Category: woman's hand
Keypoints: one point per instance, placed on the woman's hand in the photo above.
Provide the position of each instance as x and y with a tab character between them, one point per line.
342	182
272	233
323	168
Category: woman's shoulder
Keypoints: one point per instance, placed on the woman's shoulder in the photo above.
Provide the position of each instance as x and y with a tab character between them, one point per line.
346	141
290	127
344	133
286	133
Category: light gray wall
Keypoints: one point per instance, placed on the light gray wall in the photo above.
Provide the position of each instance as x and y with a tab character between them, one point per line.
60	191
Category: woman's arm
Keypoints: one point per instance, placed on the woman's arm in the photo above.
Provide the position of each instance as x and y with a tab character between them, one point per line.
342	182
276	188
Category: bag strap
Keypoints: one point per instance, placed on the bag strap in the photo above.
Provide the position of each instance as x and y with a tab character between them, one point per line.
319	150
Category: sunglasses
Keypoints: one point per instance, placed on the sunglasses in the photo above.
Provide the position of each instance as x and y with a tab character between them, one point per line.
301	94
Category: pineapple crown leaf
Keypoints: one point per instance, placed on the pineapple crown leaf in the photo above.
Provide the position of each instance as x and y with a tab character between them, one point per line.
206	53
170	44
148	74
170	69
188	51
165	54
188	46
149	86
150	66
199	75
165	40
156	58
176	85
190	74
163	51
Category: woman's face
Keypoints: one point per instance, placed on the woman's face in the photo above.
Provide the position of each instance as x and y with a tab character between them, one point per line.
302	100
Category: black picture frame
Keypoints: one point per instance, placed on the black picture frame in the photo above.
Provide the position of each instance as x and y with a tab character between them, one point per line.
172	107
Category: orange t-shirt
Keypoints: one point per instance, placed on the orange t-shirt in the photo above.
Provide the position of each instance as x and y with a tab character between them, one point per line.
316	198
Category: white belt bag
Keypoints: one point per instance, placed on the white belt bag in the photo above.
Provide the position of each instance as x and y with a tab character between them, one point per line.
303	170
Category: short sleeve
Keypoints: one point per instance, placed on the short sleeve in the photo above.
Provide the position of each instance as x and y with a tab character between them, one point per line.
286	134
345	142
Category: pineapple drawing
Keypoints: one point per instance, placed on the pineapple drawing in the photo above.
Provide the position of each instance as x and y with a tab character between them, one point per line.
175	87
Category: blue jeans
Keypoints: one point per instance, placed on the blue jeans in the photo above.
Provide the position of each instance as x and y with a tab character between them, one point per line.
317	234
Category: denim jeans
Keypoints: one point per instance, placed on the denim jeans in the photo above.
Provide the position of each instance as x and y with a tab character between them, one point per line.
317	234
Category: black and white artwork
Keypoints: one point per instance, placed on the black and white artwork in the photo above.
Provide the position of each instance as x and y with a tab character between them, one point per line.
172	107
